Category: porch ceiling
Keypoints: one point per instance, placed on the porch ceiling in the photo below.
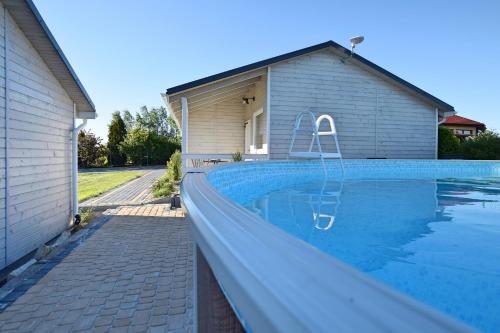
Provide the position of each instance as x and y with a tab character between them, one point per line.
213	93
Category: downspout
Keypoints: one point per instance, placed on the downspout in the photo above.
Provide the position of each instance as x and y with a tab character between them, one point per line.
7	134
74	177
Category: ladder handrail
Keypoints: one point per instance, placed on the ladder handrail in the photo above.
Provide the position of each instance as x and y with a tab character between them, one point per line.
315	124
333	130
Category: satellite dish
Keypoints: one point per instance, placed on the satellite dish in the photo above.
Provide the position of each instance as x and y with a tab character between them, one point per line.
356	40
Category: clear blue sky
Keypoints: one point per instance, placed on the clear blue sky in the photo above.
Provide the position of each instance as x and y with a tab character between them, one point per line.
128	52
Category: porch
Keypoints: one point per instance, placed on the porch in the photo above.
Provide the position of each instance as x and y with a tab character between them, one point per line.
222	118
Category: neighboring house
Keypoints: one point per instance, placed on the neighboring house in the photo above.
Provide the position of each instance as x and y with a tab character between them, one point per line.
463	127
252	109
40	97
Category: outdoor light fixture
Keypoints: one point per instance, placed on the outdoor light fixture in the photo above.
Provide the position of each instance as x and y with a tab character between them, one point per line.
354	41
246	100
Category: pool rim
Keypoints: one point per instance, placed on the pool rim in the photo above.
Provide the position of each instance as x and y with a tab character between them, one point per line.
224	230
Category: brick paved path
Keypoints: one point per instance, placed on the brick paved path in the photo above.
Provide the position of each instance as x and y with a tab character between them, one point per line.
136	192
133	275
162	210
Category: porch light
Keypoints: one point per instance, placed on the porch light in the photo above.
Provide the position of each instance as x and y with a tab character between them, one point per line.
246	100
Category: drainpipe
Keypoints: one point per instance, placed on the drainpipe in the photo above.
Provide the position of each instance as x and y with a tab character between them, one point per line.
74	177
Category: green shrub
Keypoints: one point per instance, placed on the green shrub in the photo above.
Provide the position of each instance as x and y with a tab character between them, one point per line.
101	162
163	187
174	166
237	157
86	215
448	143
485	146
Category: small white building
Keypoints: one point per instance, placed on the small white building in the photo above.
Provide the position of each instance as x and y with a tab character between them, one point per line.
251	109
40	98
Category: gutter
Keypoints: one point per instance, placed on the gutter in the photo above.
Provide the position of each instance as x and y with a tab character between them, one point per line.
74	176
7	131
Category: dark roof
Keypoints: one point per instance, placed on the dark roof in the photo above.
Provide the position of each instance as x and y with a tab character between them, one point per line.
457	120
286	56
31	23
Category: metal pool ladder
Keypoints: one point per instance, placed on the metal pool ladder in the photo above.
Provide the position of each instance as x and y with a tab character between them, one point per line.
315	124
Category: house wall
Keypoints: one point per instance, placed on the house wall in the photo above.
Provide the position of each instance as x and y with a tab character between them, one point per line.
374	118
40	120
460	128
259	91
217	128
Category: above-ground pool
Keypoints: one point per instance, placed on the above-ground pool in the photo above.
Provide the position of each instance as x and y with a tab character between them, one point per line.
430	229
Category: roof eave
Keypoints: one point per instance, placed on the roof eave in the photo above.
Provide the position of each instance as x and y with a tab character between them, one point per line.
18	8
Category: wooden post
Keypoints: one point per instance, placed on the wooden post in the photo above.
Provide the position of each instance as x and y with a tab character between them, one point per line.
268	112
214	313
184	145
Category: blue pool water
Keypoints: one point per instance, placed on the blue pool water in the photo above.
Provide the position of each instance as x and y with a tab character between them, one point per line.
436	240
429	229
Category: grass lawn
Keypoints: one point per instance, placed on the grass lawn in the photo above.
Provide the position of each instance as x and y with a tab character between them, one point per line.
93	184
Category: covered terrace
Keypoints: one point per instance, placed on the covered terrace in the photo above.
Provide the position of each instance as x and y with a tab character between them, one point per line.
221	118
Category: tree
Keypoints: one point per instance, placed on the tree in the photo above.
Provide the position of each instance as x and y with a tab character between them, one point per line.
129	120
156	120
148	138
448	143
136	145
117	132
146	147
91	152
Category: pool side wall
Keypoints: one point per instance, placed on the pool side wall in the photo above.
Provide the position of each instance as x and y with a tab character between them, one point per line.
234	180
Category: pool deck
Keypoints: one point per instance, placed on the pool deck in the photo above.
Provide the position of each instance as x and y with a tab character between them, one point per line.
132	274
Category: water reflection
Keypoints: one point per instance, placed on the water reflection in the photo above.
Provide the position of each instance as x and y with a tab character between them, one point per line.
383	216
437	240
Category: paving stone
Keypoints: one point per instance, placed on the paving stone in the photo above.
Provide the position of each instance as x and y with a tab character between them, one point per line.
133	274
175	321
141	317
158	329
158	320
103	320
120	322
138	328
176	310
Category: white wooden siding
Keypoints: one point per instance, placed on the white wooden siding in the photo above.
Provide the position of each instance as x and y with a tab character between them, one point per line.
217	128
2	138
402	126
40	121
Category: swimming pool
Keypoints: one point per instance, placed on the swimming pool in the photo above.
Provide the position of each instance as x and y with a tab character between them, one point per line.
430	229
